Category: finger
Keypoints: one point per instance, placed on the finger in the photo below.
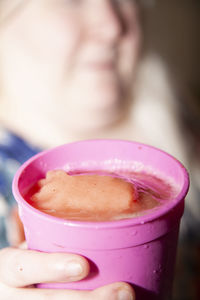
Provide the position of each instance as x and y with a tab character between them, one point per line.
23	245
14	228
19	268
116	291
42	294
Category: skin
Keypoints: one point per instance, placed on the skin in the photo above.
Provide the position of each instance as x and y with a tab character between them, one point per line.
20	269
78	58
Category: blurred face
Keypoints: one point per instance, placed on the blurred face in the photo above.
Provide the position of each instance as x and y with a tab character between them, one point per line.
71	60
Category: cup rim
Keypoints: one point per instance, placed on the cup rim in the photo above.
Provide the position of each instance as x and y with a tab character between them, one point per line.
136	220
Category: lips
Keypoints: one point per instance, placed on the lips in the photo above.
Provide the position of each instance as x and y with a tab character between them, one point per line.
99	59
105	65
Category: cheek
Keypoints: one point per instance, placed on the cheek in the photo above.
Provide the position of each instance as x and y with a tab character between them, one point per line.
50	40
129	55
61	40
132	40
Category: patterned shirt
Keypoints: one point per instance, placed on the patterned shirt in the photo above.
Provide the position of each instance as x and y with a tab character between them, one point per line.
13	152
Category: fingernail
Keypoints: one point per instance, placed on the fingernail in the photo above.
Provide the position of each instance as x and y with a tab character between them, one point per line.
74	269
124	295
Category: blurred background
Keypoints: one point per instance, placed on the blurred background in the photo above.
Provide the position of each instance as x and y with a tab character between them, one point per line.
173	29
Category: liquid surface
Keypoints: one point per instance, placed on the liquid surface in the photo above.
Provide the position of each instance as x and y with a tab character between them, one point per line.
99	196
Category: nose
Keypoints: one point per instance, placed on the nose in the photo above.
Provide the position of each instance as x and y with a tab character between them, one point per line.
107	22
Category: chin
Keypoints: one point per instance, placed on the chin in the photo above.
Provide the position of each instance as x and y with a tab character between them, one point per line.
97	123
103	100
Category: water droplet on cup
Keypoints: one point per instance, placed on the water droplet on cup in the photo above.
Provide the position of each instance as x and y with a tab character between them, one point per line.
134	232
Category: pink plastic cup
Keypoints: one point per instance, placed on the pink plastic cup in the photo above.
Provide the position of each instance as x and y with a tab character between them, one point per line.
140	250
